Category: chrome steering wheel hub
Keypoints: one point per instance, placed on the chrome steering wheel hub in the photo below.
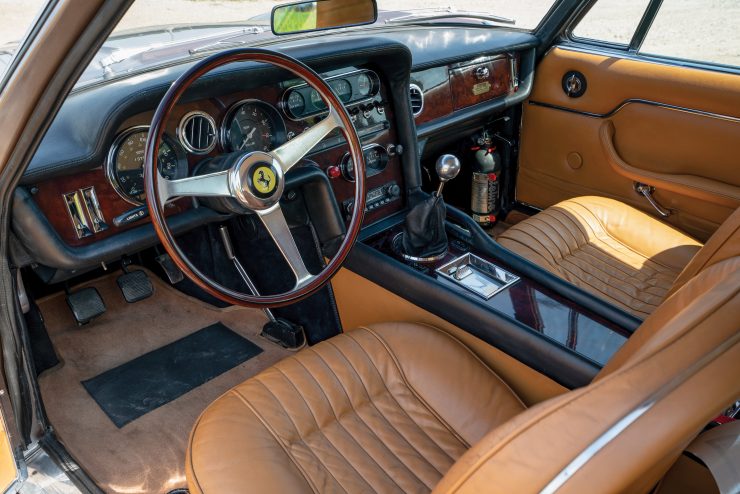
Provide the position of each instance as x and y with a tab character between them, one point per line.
257	181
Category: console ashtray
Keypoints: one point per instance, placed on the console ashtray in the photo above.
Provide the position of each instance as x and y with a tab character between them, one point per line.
477	275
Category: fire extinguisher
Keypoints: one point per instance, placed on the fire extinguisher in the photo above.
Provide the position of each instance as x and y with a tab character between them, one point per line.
485	191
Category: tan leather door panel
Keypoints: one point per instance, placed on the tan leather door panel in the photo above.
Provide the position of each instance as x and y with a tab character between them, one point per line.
677	129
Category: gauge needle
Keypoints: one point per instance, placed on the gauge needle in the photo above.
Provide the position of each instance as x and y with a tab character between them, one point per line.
247	138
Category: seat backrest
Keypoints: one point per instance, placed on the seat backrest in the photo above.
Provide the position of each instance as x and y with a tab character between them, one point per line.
723	244
623	431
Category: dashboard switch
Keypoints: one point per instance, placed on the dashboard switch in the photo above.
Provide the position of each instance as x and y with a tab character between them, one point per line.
334	172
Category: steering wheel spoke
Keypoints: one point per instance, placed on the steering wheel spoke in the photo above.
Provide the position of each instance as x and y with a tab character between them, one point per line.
277	227
290	153
210	185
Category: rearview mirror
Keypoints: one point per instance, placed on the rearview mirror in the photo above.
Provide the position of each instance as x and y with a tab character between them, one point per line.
317	15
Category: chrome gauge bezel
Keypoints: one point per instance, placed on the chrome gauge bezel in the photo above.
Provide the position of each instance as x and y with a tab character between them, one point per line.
110	161
374	91
369	172
280	138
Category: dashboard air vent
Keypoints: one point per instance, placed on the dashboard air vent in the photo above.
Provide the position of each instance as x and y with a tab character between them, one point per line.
417	99
197	132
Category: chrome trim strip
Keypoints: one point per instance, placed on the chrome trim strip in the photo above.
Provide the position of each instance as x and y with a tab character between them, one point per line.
636	101
586	45
592	449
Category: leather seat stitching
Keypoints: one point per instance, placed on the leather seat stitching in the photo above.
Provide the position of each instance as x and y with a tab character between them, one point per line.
275	436
476	357
370	429
339	423
608	233
298	433
412	389
562	265
318	429
390	394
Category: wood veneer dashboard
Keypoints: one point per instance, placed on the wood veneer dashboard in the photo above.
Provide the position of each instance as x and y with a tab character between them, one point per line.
450	88
373	117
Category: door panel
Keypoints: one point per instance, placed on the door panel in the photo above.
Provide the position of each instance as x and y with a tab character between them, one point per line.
8	471
674	128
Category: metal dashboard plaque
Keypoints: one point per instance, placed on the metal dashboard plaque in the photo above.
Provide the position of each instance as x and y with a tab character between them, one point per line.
477	275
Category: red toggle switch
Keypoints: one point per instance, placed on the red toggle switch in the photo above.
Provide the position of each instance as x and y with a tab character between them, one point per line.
334	172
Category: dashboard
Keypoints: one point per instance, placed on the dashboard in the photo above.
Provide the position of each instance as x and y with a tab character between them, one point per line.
81	202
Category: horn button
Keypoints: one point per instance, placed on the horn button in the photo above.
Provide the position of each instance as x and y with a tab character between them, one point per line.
256	181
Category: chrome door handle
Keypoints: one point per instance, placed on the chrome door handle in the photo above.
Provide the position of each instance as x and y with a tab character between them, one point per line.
647	191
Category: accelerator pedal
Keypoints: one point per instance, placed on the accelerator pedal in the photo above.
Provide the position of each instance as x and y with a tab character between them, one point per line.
135	285
86	304
171	270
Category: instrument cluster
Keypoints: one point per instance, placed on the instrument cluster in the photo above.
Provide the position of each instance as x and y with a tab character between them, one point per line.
247	125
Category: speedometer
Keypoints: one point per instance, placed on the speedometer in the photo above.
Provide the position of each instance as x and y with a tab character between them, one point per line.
125	165
253	125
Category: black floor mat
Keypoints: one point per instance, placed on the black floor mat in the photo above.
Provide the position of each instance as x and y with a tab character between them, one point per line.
128	391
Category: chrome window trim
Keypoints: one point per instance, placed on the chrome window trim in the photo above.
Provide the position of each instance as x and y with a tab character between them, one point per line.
638	101
613	50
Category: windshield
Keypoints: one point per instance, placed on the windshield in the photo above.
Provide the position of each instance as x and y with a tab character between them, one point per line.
155	32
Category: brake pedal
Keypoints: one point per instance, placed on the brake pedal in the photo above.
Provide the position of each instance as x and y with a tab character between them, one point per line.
86	304
171	270
135	286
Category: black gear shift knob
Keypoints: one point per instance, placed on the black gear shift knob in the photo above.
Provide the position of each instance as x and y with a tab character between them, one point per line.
448	166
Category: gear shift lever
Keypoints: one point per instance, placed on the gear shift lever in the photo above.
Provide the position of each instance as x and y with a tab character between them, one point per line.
448	166
424	237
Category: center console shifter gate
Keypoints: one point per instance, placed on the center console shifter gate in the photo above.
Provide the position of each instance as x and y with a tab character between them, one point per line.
477	275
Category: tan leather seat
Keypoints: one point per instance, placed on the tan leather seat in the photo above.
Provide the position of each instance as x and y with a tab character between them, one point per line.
613	250
382	409
407	408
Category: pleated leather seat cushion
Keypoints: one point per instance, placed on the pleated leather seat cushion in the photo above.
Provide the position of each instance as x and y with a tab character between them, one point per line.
387	408
607	248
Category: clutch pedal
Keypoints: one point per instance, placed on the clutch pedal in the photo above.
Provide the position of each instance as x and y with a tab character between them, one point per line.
86	304
135	285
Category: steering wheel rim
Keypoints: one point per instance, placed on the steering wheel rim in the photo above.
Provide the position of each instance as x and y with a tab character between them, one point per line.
238	183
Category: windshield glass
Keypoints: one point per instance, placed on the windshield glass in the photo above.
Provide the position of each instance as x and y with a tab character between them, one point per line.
156	32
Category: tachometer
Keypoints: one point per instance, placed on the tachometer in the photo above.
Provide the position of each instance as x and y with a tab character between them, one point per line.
252	125
125	165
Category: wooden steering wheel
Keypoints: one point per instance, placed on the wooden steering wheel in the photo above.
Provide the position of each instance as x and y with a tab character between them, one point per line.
256	180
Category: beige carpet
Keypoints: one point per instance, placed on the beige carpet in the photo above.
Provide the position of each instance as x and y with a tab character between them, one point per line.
148	454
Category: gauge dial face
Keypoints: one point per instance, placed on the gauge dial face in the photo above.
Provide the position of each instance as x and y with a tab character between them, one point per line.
126	167
316	100
296	103
364	84
254	126
343	89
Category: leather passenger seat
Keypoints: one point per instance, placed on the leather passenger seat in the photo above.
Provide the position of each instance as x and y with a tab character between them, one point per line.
615	251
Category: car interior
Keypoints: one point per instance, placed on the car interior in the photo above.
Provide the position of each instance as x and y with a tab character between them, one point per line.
403	258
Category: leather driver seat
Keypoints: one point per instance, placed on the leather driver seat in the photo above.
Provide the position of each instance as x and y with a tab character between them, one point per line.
408	408
614	251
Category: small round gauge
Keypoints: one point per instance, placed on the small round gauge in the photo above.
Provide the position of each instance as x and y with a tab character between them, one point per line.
316	100
252	125
125	166
364	84
376	159
296	103
342	88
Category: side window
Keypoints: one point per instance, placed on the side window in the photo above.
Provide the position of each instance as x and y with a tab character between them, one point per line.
688	30
697	31
15	21
611	21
